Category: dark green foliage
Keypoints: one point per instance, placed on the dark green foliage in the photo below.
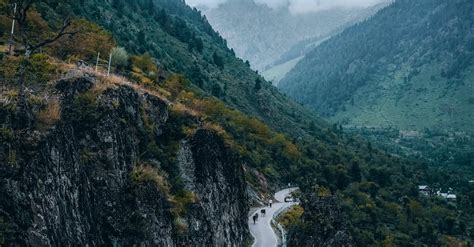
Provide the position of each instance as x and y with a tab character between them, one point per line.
355	172
258	84
6	232
83	112
218	60
417	34
216	90
369	182
197	76
196	44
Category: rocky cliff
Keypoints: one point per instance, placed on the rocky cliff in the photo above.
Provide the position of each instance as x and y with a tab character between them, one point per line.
110	172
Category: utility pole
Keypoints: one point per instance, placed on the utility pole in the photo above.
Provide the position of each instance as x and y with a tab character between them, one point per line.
110	61
13	29
97	62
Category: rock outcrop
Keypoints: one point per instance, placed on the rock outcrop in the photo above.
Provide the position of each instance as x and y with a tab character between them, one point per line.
74	184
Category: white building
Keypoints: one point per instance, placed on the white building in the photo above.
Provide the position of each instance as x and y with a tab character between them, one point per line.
424	189
448	196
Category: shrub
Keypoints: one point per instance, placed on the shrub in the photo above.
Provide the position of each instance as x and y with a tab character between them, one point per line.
144	173
291	216
144	68
85	45
50	114
84	111
175	85
119	57
6	134
181	201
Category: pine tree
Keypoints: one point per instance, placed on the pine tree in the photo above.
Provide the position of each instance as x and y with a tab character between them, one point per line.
218	61
258	84
355	172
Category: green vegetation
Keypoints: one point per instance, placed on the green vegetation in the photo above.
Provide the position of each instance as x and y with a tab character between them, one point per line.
290	217
94	40
407	90
145	173
119	57
420	69
85	111
270	133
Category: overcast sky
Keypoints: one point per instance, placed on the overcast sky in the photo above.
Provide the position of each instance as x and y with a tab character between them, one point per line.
296	6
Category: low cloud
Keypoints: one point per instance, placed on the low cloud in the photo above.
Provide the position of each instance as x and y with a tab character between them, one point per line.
306	6
206	3
297	6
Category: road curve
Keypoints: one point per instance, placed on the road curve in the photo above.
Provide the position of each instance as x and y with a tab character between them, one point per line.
262	231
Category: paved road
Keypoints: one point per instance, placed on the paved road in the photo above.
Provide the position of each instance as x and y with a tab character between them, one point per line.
262	231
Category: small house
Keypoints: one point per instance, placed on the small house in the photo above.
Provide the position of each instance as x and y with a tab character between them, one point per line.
424	189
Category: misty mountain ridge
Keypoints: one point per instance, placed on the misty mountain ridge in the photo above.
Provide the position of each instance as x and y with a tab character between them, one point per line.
411	61
262	34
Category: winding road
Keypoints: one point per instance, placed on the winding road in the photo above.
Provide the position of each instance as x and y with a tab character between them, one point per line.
262	231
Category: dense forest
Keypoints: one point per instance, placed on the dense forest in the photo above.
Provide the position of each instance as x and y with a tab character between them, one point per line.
164	51
411	60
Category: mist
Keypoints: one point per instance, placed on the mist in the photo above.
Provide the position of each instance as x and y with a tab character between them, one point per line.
296	6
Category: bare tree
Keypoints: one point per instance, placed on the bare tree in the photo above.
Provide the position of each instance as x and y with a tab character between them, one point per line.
30	45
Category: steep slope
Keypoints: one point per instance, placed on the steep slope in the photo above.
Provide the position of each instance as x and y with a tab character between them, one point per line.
412	60
146	158
287	60
90	177
261	34
171	32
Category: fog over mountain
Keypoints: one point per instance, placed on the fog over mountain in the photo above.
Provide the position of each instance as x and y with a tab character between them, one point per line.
295	6
261	31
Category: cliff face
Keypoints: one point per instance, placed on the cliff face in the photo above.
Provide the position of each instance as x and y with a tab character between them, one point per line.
84	182
208	170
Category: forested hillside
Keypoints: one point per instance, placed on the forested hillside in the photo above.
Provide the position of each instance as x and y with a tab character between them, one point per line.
413	60
183	41
179	134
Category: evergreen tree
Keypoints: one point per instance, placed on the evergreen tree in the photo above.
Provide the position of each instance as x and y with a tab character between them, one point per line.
258	84
141	37
218	61
355	172
216	90
197	77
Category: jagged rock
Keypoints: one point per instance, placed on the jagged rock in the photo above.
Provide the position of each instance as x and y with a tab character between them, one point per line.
209	170
73	185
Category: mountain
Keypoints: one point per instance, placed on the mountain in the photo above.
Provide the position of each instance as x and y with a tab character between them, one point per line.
412	60
287	61
180	139
183	41
261	34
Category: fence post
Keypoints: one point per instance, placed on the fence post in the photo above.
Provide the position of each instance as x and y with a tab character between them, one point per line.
110	61
13	30
97	62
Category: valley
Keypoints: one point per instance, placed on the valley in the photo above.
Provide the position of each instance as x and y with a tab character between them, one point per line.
269	36
141	123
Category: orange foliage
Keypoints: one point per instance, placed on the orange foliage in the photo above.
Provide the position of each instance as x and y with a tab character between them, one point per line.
144	69
85	45
50	114
175	85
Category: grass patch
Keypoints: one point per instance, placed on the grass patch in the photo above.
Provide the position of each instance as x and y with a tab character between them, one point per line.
50	114
291	217
146	173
